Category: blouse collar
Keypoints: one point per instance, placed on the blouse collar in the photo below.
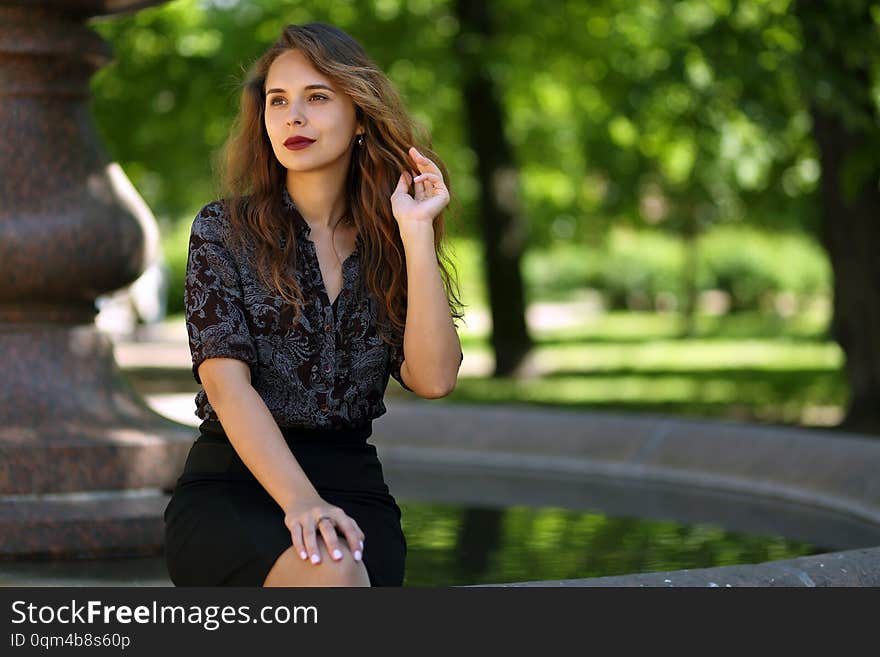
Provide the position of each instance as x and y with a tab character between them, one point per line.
302	226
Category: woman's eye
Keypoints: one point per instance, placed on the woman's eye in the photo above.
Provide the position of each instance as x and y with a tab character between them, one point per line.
322	96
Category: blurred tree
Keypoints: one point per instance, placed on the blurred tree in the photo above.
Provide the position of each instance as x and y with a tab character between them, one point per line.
840	75
669	132
698	112
500	212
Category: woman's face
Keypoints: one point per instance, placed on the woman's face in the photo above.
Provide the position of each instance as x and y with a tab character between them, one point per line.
295	108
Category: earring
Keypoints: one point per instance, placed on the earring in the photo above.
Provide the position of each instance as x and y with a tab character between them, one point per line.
360	140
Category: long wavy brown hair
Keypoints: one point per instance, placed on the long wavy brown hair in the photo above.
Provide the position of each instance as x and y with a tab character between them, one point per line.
251	180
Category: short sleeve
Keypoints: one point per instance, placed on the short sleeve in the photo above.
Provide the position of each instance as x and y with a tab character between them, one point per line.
216	320
396	361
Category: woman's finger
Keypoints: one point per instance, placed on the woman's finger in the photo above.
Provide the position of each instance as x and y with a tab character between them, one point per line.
354	536
433	178
403	183
422	162
296	534
311	541
419	188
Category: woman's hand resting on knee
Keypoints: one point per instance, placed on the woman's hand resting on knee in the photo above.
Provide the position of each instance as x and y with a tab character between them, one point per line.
305	517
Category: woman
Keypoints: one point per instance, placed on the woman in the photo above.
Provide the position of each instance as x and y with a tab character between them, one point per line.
318	275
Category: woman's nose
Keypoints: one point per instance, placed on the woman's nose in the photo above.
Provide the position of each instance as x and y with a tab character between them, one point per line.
295	116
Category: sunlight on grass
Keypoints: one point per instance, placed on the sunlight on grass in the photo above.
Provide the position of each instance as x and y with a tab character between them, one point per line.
690	356
744	366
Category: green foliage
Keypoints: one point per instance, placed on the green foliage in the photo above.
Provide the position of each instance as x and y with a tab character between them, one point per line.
637	266
746	275
555	272
752	266
175	245
637	269
696	102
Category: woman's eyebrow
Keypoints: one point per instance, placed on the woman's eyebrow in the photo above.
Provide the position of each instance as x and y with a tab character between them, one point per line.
306	88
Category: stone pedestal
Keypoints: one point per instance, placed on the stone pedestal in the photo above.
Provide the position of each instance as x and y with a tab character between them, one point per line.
83	460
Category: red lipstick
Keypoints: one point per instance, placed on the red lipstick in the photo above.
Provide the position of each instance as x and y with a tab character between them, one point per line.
298	143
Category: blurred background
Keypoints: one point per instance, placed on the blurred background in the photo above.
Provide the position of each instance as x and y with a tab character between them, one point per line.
658	206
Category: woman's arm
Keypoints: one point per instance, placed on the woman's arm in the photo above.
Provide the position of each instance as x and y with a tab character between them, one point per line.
253	431
430	342
432	350
259	443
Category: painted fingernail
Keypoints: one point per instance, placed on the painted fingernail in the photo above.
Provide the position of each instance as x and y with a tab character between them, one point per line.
337	554
315	558
357	555
303	555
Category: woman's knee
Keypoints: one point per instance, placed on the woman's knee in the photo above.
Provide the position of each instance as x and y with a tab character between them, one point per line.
283	570
290	570
346	571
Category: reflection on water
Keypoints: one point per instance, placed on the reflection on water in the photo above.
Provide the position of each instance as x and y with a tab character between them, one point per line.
452	545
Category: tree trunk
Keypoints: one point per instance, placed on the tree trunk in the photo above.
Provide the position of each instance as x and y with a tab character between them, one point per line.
501	222
850	231
846	133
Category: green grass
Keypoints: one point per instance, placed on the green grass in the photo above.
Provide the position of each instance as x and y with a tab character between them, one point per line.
748	367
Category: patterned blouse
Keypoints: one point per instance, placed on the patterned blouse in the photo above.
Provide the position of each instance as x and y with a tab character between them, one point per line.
329	370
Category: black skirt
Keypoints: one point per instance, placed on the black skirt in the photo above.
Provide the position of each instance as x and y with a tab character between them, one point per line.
222	528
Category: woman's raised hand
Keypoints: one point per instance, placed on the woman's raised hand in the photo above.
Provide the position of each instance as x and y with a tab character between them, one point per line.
306	517
430	193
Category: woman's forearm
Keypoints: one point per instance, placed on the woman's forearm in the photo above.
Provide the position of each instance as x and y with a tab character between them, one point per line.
258	441
430	342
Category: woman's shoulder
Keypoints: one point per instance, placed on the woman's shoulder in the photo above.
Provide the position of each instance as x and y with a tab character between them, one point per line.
212	221
213	225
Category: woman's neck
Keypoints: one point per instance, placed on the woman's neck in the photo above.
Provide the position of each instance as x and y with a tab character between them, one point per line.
320	201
